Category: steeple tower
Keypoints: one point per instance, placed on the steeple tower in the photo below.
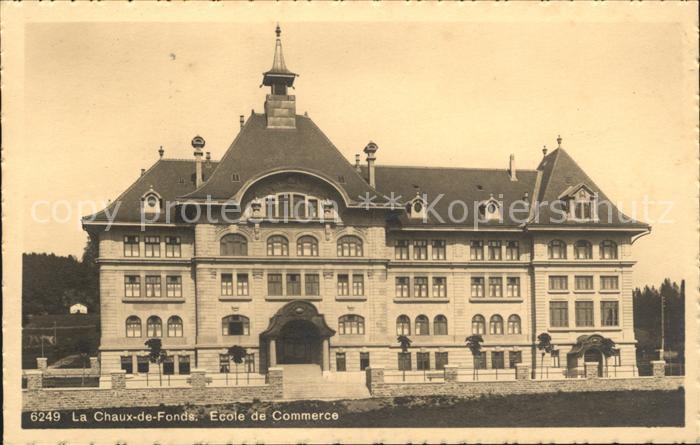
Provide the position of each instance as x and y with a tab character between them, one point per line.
280	108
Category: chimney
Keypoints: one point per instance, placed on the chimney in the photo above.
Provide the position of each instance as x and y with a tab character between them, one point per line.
357	163
370	150
143	171
242	120
208	156
198	143
280	108
544	151
511	168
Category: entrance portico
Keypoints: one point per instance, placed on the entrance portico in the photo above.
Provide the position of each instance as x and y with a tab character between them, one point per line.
297	334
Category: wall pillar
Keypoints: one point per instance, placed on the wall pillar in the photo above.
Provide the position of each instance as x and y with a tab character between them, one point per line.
118	378
522	371
273	353
198	378
591	370
35	379
42	363
325	346
450	373
275	378
374	376
94	365
658	368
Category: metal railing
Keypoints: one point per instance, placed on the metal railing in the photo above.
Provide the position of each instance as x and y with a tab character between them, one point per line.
240	379
414	376
485	375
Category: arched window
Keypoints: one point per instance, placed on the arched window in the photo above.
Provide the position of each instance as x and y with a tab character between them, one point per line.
133	326
478	324
277	245
174	326
349	246
557	250
514	324
608	250
233	245
351	325
235	325
583	250
154	327
496	325
403	325
422	325
307	246
440	325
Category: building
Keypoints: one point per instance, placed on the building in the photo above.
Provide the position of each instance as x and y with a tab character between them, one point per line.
78	308
286	248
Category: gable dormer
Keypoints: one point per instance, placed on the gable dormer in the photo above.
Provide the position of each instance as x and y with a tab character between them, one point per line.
151	202
490	210
417	207
580	202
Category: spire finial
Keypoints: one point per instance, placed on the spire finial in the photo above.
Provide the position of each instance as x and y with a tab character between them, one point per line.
161	151
278	30
559	139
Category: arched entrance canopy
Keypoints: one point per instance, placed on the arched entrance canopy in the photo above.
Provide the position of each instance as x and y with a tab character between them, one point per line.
586	342
294	311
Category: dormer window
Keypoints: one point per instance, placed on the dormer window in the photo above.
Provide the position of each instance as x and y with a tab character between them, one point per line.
490	209
289	206
417	208
151	202
580	202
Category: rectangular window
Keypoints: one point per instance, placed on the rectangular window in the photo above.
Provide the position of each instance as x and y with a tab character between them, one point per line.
226	284
340	362
152	285
609	313
404	361
512	251
250	362
401	250
480	360
439	252
583	282
495	287
513	287
420	250
617	358
127	364
224	363
420	287
584	313
441	359
172	247
439	287
558	282
131	245
168	365
402	287
558	314
476	252
358	285
312	208
514	357
152	246
142	364
343	285
183	364
242	284
497	360
173	286
299	206
477	287
422	361
274	284
609	283
293	284
311	286
495	250
583	210
132	286
283	206
364	360
555	358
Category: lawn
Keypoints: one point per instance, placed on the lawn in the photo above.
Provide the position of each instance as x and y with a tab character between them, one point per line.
595	409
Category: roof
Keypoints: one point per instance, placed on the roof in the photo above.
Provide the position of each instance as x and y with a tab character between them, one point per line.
169	178
258	150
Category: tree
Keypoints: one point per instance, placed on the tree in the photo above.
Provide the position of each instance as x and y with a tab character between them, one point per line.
156	355
607	348
83	347
474	344
237	354
404	343
544	344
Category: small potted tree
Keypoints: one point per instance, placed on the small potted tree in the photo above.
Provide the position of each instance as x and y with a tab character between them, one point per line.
404	343
544	344
474	344
607	348
156	355
237	354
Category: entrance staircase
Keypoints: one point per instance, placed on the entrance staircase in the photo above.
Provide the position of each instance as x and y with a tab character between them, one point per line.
307	382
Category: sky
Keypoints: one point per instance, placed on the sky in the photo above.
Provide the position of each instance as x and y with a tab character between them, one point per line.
101	98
